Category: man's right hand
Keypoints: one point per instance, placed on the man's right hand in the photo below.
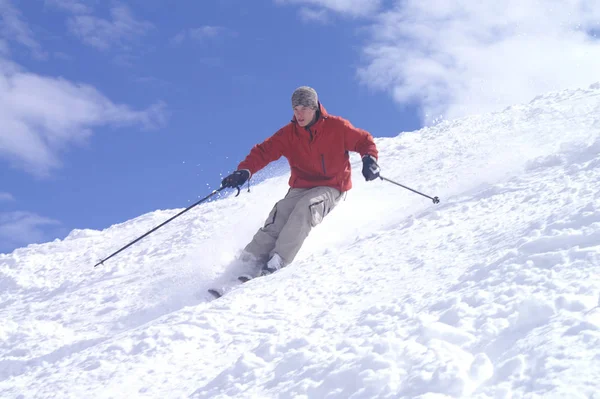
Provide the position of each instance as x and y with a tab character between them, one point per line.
236	179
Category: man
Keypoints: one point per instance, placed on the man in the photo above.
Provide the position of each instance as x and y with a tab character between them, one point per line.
316	146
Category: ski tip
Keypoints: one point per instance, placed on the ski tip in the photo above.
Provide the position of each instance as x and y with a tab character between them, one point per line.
215	293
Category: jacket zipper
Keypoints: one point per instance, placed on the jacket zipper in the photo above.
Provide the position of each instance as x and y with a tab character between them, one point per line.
322	155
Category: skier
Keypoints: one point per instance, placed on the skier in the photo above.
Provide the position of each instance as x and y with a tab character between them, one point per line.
316	146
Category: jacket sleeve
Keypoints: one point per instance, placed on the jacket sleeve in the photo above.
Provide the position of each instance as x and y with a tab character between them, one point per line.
266	152
359	140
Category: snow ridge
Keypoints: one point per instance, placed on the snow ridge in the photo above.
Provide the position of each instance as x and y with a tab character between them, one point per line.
493	293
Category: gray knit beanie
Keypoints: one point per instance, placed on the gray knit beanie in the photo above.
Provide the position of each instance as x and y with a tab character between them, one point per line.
305	96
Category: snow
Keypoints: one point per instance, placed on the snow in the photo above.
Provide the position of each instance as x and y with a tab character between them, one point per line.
493	293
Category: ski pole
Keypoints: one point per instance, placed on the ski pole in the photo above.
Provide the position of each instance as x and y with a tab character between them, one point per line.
435	200
165	222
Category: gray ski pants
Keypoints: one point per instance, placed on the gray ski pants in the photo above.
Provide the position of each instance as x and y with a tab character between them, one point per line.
290	221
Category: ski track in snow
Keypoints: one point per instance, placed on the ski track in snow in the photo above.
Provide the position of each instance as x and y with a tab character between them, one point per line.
493	293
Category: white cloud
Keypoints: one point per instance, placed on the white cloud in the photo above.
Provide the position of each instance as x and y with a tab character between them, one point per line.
74	6
3	47
103	34
199	34
205	32
354	8
40	117
464	57
311	15
13	28
22	228
6	197
179	38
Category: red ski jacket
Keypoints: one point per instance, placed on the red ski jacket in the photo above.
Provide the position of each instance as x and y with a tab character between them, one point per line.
318	155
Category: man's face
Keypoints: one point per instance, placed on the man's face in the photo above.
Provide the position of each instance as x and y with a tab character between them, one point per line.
304	115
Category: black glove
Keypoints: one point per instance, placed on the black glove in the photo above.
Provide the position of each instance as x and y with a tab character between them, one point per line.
236	179
370	168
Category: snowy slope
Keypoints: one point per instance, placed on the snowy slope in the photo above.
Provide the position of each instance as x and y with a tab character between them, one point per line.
493	293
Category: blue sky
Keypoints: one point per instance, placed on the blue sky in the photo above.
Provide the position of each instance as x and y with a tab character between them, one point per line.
110	109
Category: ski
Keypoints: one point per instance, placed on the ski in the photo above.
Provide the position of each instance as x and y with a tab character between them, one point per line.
218	293
244	278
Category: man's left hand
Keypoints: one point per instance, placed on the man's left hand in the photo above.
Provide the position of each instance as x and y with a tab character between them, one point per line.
370	168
